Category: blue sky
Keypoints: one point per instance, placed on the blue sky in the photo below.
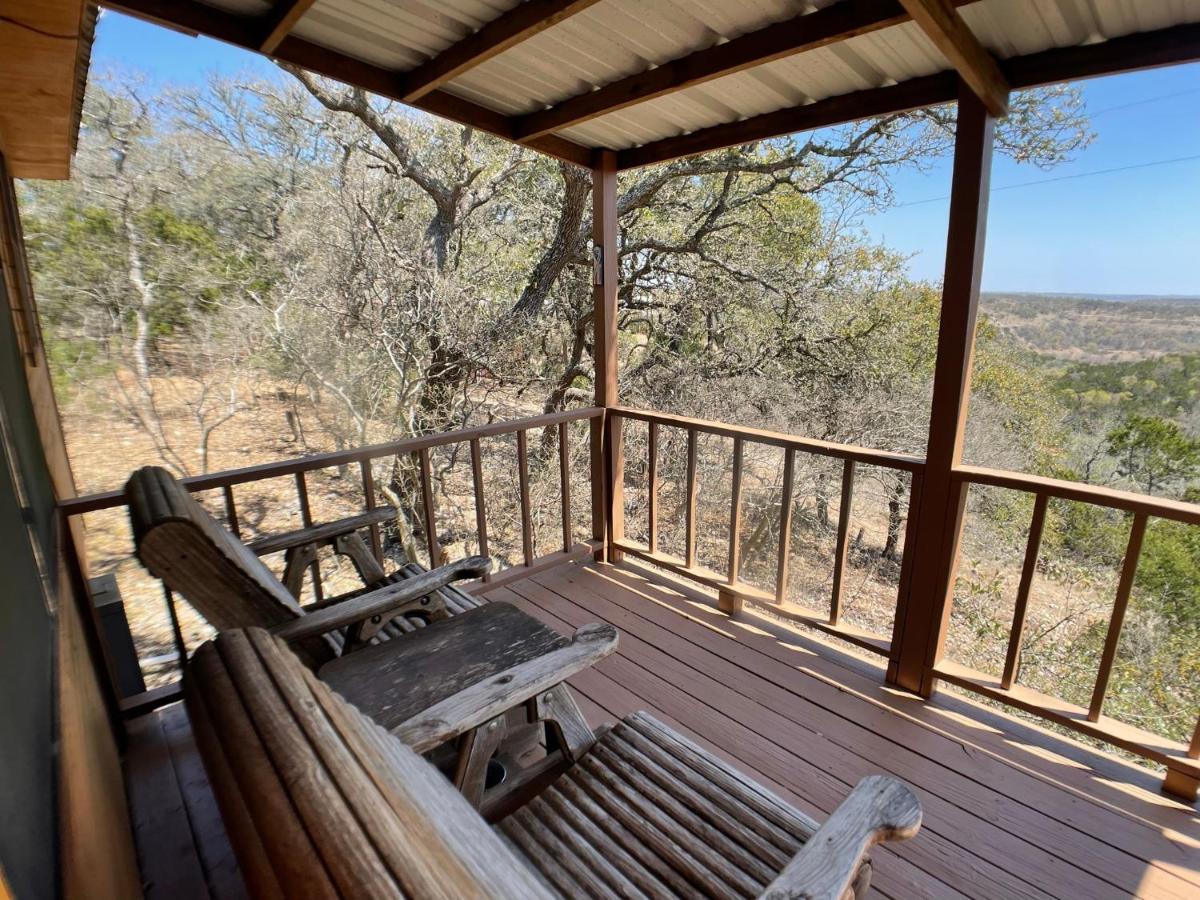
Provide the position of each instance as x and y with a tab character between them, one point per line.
1080	228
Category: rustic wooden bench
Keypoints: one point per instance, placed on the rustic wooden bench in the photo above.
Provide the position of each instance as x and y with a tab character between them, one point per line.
407	642
319	801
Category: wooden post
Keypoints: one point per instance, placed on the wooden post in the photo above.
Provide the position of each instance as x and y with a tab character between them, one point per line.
1012	657
843	543
608	460
924	610
1181	784
729	600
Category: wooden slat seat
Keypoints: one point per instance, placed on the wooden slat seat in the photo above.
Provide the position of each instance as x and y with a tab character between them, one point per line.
649	812
320	801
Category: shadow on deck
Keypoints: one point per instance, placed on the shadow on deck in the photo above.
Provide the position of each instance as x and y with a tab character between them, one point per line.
1011	810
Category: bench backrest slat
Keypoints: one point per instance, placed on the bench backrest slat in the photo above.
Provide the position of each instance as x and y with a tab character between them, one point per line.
320	801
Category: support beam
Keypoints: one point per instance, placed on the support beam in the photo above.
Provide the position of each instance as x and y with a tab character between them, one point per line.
504	32
922	615
245	32
821	28
604	335
950	34
928	90
280	21
1168	46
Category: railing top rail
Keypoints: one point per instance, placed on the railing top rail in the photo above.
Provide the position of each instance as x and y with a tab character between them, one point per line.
1157	507
109	499
866	455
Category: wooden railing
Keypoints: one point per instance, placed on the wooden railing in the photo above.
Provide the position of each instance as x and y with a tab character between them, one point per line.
732	590
1183	769
419	448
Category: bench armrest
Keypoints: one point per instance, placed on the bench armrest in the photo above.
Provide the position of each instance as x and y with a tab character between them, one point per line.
320	534
878	809
484	700
381	601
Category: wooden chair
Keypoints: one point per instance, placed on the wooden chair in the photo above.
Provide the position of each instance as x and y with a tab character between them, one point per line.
321	802
365	643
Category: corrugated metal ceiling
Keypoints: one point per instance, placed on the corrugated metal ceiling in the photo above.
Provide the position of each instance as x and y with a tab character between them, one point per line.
616	38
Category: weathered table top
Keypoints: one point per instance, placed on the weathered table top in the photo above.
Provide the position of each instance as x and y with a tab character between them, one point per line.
394	680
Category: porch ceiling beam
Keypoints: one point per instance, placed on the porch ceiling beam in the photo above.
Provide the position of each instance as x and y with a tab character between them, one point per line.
830	25
951	35
1148	49
246	33
929	90
281	20
518	24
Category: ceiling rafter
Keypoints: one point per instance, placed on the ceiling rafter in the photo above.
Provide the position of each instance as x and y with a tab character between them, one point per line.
810	31
912	94
954	39
1147	49
246	33
504	32
280	21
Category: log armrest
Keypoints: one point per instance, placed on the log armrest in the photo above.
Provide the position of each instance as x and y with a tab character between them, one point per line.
484	700
409	595
321	534
878	809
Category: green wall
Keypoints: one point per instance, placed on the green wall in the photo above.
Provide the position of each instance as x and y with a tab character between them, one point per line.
28	839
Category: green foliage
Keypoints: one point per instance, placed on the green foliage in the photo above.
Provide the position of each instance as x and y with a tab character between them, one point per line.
1152	451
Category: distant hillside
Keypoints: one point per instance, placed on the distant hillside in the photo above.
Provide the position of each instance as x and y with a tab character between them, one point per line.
1096	328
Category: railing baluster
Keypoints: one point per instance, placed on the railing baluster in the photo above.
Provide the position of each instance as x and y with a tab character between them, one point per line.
735	514
843	531
523	475
480	503
652	488
231	511
368	486
307	519
785	525
690	510
1012	659
431	539
564	484
1129	565
176	631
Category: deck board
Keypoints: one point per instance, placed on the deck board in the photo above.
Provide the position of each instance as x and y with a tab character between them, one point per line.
1011	810
182	846
1004	817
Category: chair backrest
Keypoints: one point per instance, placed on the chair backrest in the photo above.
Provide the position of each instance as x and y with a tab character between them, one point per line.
179	542
320	801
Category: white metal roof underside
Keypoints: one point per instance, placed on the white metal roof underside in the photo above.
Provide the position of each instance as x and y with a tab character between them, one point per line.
617	38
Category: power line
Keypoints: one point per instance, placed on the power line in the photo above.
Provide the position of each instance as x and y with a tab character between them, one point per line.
1025	184
1143	101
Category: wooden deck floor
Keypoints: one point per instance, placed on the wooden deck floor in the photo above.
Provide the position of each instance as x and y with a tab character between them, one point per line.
1010	809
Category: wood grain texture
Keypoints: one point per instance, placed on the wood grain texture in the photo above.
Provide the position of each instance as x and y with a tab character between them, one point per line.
921	620
740	689
323	533
1129	565
842	544
878	809
807	31
1012	656
386	601
485	699
504	32
951	35
325	802
280	20
393	681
